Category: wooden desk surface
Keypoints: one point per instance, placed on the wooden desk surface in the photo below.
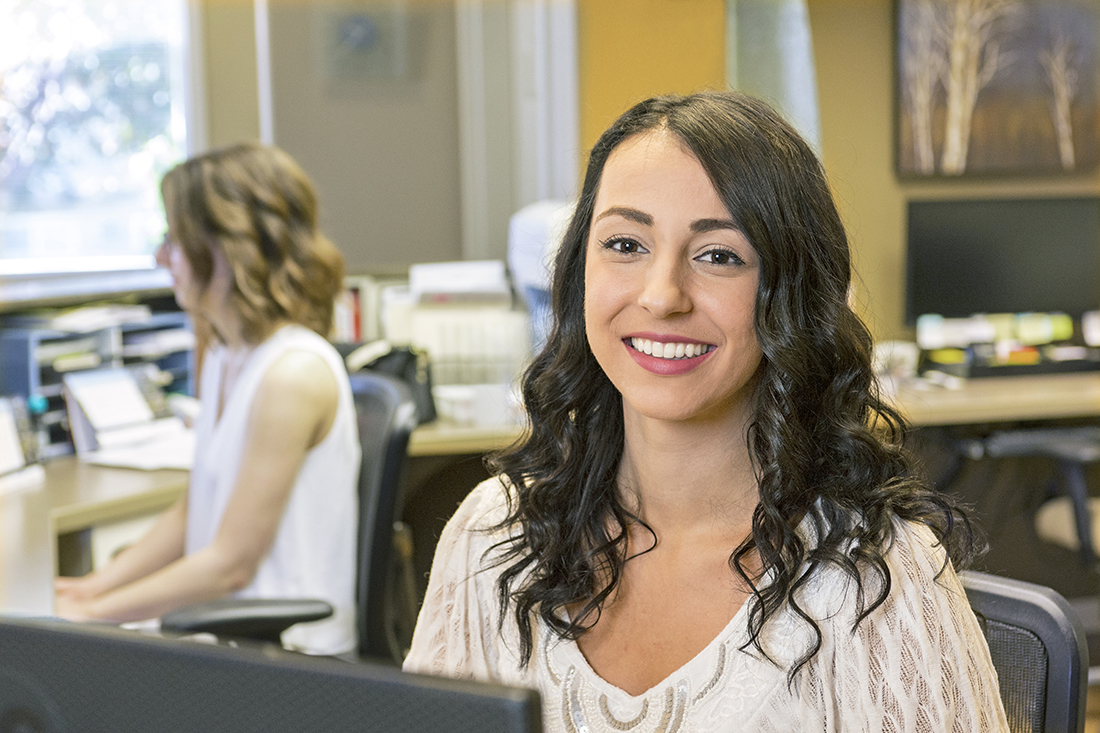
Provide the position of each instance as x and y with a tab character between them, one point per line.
83	495
74	496
1003	399
442	438
992	399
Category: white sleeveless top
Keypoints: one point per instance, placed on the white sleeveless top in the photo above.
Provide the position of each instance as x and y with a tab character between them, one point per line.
314	552
917	663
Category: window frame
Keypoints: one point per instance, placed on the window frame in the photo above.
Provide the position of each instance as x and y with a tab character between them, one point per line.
24	285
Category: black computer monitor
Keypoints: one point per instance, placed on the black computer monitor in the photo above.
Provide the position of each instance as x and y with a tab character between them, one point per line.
1037	255
59	677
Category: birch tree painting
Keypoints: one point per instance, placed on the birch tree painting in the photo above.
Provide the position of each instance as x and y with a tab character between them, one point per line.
1062	74
997	86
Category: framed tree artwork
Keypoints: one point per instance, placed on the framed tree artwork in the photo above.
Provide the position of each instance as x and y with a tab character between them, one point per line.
997	87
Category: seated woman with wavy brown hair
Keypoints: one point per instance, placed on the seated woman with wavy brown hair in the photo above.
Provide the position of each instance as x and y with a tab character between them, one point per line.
271	507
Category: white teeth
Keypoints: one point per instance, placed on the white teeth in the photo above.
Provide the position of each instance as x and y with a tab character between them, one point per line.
669	350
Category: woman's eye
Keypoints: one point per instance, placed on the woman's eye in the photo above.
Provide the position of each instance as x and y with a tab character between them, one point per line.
624	245
721	257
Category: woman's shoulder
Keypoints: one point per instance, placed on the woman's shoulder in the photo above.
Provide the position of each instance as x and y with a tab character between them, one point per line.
296	358
913	557
904	541
917	552
464	555
483	511
299	378
922	574
457	633
294	337
907	635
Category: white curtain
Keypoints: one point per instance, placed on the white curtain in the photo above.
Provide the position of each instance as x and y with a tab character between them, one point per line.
769	53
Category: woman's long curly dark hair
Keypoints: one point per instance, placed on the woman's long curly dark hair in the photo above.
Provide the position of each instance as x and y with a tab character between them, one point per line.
824	446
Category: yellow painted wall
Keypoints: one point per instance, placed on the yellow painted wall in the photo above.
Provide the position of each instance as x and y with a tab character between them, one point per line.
631	49
634	49
853	58
229	65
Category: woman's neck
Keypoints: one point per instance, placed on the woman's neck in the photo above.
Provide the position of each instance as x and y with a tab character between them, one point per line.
685	474
228	330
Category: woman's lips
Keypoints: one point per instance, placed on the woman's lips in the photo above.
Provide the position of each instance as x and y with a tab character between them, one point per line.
667	357
669	349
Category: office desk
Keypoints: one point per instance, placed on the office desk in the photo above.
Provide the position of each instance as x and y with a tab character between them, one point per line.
39	525
986	400
1004	495
44	528
35	523
1002	399
447	458
441	438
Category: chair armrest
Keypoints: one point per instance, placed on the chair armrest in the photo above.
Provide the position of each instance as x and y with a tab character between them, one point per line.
248	618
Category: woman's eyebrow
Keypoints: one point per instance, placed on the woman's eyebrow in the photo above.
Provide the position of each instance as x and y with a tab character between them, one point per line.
711	225
700	226
639	217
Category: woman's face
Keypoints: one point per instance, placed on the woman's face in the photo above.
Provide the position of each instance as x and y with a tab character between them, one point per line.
206	300
170	256
670	287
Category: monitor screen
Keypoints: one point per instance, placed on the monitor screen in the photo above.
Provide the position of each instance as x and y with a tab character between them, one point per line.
1003	256
59	677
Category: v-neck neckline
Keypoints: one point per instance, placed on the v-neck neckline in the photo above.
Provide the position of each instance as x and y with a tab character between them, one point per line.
227	397
230	377
695	668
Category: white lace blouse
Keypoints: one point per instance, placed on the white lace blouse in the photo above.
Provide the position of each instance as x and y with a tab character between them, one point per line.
919	662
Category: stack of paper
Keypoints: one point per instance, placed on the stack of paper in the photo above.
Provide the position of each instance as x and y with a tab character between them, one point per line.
112	423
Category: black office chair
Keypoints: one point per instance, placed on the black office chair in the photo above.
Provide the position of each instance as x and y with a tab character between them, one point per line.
1038	648
1072	449
387	416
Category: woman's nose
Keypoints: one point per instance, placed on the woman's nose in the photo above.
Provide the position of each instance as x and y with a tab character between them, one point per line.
161	255
664	293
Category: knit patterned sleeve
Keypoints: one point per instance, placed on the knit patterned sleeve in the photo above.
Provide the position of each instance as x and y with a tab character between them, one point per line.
919	662
456	632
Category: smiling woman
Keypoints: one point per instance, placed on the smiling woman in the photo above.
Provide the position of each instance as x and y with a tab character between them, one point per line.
666	271
711	524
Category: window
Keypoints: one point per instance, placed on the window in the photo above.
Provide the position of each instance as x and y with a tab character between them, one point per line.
92	113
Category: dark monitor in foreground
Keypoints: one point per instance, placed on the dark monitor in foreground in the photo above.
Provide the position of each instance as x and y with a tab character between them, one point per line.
59	677
1003	256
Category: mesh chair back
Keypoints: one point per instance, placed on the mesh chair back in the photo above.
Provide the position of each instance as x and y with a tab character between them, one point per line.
1021	662
387	416
1038	647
